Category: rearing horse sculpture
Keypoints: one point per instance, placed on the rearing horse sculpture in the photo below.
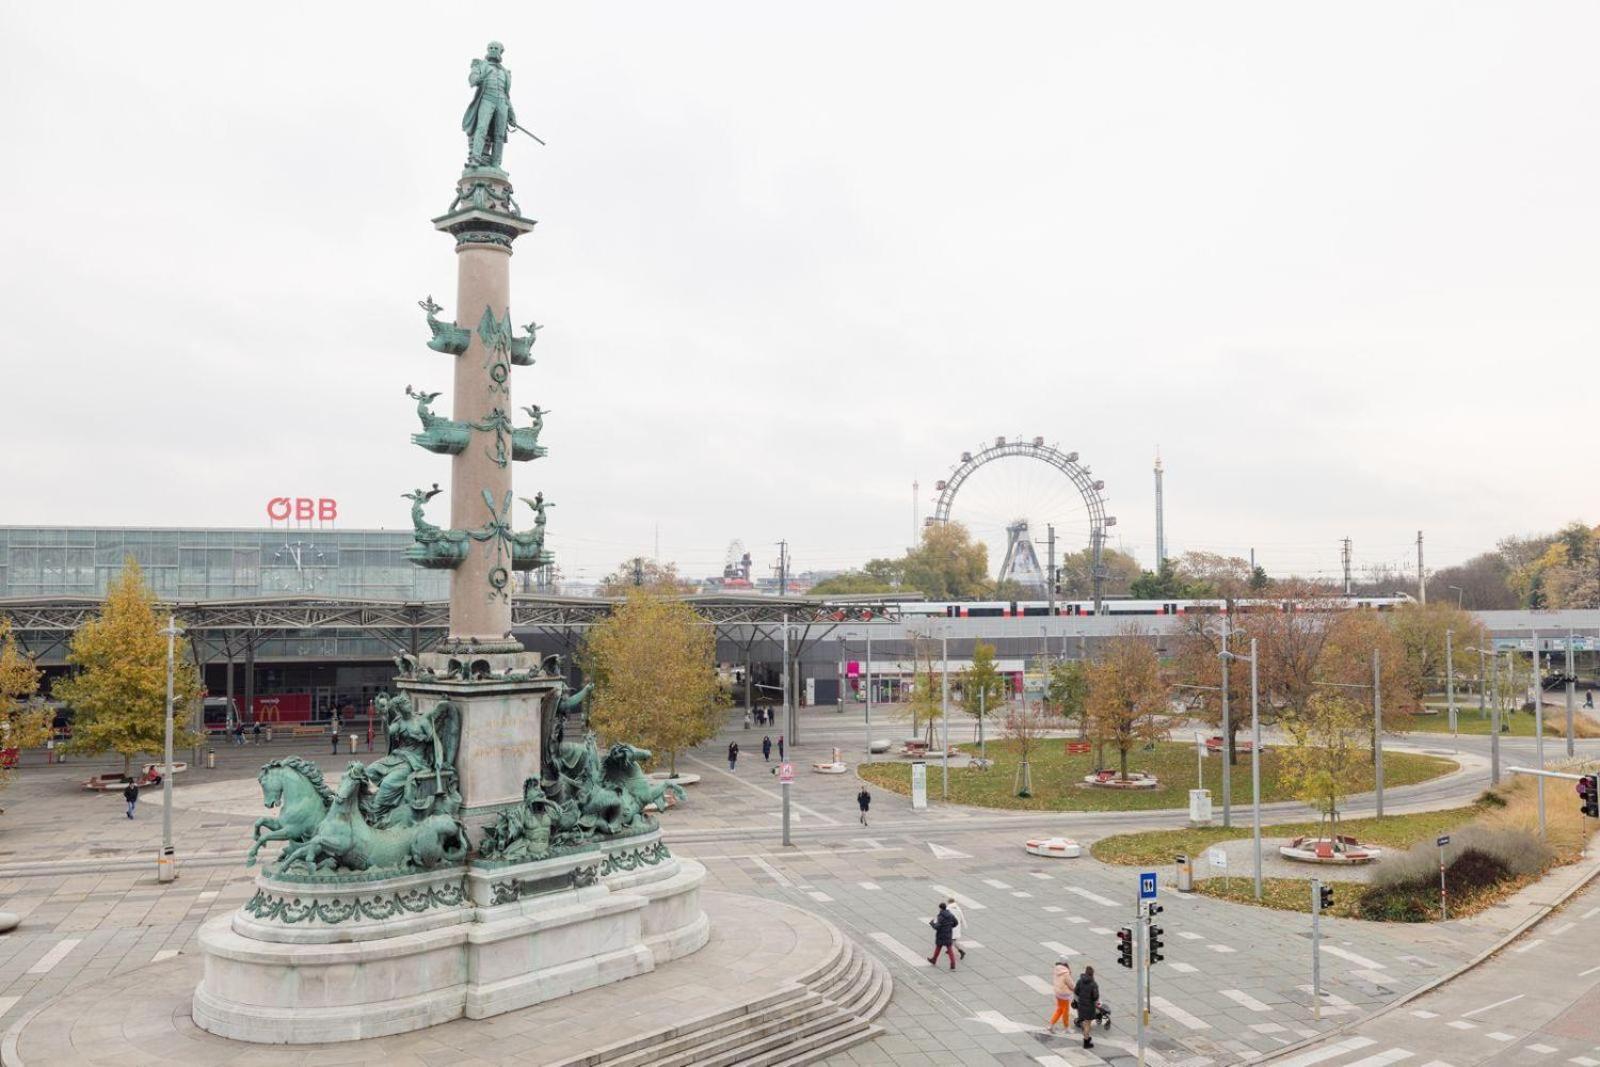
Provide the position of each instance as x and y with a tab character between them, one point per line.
344	840
296	788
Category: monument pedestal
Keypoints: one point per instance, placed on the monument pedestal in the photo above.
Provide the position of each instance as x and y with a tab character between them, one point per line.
320	960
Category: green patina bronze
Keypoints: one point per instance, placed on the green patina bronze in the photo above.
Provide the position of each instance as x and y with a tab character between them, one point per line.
476	193
439	434
525	439
269	907
394	815
490	116
633	859
496	337
447	336
522	347
433	547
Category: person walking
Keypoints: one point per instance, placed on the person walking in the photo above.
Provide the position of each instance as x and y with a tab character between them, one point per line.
780	748
766	747
255	732
1061	983
131	795
944	925
863	801
335	738
733	754
747	719
1588	699
961	926
1086	999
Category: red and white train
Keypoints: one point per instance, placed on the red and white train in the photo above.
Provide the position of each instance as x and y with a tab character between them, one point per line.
1012	609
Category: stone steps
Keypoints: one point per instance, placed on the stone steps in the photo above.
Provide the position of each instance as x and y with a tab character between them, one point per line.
829	1009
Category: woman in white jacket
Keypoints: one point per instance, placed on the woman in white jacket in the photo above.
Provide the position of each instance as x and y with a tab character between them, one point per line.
961	927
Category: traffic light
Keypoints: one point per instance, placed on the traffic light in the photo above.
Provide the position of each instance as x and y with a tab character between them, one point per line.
1326	893
1589	795
1125	947
1156	944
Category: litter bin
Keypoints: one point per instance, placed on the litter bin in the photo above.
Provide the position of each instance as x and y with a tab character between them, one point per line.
166	864
211	760
1199	807
1185	879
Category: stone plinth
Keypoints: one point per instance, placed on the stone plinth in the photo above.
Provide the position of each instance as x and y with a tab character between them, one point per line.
308	961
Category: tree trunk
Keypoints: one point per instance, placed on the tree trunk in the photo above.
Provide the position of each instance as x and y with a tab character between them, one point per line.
127	758
1122	761
672	763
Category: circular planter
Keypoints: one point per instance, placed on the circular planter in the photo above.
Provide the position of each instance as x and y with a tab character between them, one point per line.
1057	848
828	768
1136	780
682	779
1338	851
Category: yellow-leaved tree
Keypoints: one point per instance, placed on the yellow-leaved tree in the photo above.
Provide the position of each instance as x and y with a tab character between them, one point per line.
1327	756
1128	702
653	665
24	724
118	689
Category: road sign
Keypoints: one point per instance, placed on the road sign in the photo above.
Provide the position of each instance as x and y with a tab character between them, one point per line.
786	773
1147	885
919	785
1218	858
1444	839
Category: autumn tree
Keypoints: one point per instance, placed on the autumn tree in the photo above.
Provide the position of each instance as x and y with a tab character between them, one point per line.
1346	663
1422	630
1128	702
1327	754
648	574
927	686
118	688
983	688
1077	573
1067	691
1025	726
1197	664
23	724
949	564
653	664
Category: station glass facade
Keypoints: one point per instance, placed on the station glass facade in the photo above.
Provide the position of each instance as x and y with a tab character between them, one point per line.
216	564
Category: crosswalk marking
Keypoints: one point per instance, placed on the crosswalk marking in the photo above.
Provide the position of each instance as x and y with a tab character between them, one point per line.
1421	1014
1086	895
940	852
1585	974
1535	943
1584	1061
1037	984
772	872
1222	948
1243	999
993	883
1327	1052
819	896
1040	875
46	963
1190	935
1543	1050
1491	1007
906	955
1183	968
1059	949
1267	1028
1020	893
1437	1063
1004	1025
1359	961
164	954
1563	928
1075	918
7	1003
951	894
1332	1003
1461	1024
1166	1007
1591	913
1382	1059
967	942
1101	930
869	886
1500	1035
1053	910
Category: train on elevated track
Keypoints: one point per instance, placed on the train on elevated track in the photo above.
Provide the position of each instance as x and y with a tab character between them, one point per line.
1012	609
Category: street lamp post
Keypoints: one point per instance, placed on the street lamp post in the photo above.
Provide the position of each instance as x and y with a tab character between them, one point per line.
944	700
869	694
1450	680
1255	758
1377	734
1227	732
167	867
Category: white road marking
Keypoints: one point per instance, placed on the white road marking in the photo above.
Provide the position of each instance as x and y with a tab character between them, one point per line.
1585	974
1419	1013
1183	968
1052	909
1222	948
906	955
993	883
46	963
1040	875
209	894
1591	913
1037	984
940	852
1359	961
1151	1056
1499	1036
1491	1007
1327	1052
1535	943
967	942
1332	1003
1101	930
769	794
1543	1050
1004	1025
1059	949
772	872
1563	928
1075	918
1268	1028
1462	1024
1190	935
1086	895
1381	1059
7	1003
1584	1061
869	886
1438	1063
951	894
1416	961
1375	977
820	897
164	954
1020	893
1166	1007
1240	997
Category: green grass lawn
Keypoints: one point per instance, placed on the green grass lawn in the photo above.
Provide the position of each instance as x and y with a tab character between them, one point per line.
1520	723
1391	831
1058	778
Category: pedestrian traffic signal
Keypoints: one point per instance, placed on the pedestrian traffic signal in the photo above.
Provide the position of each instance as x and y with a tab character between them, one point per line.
1589	795
1326	895
1154	909
1125	947
1156	944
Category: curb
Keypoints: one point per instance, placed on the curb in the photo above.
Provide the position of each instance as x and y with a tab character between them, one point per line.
1449	976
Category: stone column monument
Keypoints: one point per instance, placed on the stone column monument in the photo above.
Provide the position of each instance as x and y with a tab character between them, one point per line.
495	856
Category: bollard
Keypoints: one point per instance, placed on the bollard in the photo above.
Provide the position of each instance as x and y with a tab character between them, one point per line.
211	760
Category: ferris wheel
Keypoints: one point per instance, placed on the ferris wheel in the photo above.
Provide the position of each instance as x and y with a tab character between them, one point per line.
1011	491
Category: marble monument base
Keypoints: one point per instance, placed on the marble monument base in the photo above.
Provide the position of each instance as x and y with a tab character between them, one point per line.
311	961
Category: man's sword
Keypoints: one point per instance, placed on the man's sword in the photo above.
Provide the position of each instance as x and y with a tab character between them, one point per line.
530	133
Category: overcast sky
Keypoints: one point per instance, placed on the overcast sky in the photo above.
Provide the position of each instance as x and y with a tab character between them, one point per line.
1338	262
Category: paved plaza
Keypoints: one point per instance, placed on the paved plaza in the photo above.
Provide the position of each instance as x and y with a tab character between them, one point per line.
1235	983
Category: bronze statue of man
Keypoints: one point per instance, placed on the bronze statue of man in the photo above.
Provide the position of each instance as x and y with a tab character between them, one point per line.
490	115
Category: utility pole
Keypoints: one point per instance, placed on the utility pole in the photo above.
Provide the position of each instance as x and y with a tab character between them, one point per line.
869	693
1344	555
1422	575
1450	679
1227	731
1494	727
1377	732
167	869
1538	724
783	680
1572	681
1255	766
1050	568
1316	948
783	568
1161	526
638	571
944	760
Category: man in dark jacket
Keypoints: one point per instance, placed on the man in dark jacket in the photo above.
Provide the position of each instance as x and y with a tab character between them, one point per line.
131	795
733	754
1086	999
863	801
944	925
766	748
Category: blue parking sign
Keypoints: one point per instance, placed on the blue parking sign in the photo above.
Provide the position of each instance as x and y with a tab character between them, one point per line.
1147	885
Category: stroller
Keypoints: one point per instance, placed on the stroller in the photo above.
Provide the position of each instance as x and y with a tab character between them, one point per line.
1102	1014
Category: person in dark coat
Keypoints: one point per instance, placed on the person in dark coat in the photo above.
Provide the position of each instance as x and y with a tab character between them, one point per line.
131	795
1086	999
863	801
780	746
766	747
733	754
944	925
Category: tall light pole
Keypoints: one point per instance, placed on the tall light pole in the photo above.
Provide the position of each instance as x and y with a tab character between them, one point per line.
869	694
1227	732
1572	681
167	869
1255	758
1450	679
1377	734
1538	724
944	699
